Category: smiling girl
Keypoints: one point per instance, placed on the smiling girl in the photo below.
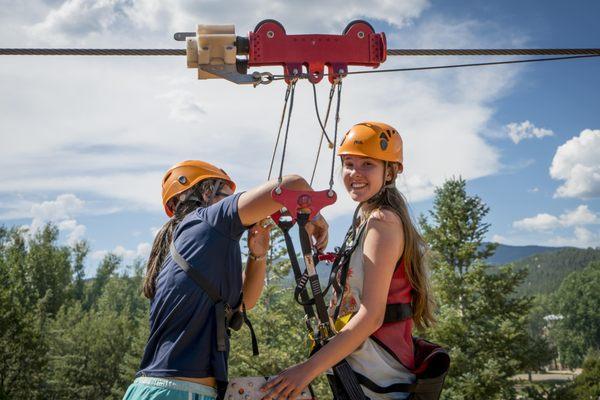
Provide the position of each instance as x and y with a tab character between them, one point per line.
385	290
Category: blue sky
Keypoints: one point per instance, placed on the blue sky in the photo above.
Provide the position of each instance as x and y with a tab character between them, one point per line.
86	140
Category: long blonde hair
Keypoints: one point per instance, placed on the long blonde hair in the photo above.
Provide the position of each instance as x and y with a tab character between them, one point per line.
414	251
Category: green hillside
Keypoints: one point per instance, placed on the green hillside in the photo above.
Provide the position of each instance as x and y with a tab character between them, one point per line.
547	270
505	254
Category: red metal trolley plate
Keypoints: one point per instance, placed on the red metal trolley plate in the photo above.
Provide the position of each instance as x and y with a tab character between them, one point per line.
358	45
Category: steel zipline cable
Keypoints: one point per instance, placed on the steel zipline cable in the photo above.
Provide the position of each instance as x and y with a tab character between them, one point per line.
390	52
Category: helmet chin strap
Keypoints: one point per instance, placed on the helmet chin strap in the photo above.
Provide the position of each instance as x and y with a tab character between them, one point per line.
215	188
192	195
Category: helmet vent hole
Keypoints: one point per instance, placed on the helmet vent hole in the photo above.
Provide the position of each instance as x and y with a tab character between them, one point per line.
182	179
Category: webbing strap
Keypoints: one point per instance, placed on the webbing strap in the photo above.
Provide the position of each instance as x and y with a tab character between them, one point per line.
397	312
300	290
345	264
223	311
196	275
433	385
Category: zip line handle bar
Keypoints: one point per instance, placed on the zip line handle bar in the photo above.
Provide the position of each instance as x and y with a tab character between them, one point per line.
306	201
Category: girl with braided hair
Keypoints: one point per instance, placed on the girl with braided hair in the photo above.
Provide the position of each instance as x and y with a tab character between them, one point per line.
187	349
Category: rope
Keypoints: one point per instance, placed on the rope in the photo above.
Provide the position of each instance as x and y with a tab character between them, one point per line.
92	52
287	95
323	125
335	135
377	71
489	52
287	129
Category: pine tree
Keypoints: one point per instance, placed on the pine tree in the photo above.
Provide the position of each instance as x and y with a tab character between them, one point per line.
480	319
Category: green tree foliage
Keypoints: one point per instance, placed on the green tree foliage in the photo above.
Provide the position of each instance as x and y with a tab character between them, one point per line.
480	319
60	336
578	301
587	384
547	271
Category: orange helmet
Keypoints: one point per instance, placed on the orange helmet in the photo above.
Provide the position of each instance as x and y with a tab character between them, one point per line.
375	140
182	176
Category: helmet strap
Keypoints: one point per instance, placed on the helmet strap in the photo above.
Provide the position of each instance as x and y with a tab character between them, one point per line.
214	190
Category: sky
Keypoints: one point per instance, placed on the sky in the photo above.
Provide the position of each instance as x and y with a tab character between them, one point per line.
86	140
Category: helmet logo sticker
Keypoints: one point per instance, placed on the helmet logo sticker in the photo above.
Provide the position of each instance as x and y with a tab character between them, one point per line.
383	142
182	179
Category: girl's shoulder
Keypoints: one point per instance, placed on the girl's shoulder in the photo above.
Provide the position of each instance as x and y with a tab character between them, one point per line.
384	215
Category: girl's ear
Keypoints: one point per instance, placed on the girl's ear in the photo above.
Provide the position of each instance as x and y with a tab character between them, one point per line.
391	173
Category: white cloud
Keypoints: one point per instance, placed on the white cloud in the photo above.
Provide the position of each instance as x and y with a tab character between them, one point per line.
74	230
112	137
577	162
547	222
541	222
499	239
65	206
59	212
581	237
142	251
525	130
143	21
184	106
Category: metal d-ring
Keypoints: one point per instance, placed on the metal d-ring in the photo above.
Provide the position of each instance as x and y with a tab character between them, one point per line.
262	78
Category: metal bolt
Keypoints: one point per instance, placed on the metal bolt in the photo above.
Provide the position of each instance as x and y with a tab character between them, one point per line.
361	34
277	190
270	34
295	71
341	71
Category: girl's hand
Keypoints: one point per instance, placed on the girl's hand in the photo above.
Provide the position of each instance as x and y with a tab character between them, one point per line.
289	384
259	238
318	228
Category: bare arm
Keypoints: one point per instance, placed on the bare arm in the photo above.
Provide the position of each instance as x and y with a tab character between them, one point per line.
380	260
254	274
257	204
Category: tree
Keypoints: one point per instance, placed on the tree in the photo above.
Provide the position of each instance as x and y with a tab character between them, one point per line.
578	301
480	319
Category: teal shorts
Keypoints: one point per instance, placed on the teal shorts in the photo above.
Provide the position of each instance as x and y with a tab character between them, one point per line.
147	388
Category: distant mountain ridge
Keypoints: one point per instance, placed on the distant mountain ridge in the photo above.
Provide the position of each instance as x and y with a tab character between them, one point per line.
505	254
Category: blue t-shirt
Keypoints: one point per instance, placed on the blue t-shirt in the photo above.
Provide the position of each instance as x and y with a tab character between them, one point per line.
183	340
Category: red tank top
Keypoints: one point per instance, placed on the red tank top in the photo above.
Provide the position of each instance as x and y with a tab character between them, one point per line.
396	337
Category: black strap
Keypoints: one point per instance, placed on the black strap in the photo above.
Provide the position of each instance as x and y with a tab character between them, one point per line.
397	312
196	276
345	256
252	334
223	311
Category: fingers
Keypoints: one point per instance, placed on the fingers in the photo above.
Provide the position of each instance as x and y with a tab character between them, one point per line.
276	386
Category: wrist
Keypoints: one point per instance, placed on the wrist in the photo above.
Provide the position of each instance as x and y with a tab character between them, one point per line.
255	257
